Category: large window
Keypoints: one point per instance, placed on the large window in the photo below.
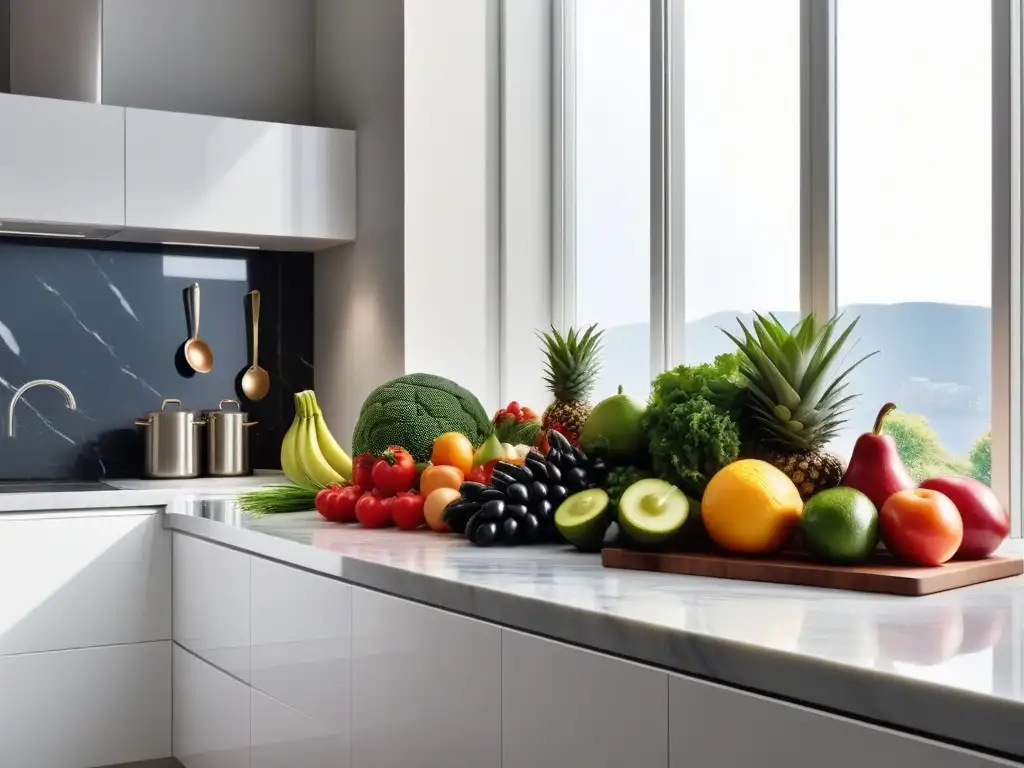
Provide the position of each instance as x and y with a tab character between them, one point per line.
854	156
914	218
612	186
742	167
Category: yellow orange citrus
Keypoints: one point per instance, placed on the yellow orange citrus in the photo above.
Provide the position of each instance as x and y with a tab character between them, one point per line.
750	507
440	477
453	449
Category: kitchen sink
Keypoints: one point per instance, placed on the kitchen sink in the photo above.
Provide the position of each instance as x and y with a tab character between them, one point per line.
52	486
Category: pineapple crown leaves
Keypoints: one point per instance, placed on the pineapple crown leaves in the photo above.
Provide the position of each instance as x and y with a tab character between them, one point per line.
573	361
797	396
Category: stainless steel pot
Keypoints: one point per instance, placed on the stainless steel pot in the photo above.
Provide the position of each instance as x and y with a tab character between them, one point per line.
227	441
172	441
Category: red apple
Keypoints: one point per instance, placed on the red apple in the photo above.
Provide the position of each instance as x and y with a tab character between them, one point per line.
986	523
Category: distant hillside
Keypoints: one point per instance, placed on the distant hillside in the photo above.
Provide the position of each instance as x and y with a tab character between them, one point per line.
934	359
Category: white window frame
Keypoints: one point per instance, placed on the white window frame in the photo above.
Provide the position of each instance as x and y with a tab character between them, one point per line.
817	199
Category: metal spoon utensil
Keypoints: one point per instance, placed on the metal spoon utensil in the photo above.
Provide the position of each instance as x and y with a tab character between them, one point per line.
198	354
255	381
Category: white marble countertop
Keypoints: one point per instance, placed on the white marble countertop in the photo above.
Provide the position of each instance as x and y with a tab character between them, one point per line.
949	665
129	493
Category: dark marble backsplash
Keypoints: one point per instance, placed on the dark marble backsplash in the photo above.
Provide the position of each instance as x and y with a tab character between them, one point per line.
110	322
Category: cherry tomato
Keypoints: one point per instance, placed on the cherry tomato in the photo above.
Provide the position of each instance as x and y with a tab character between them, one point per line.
921	526
407	511
342	505
320	502
372	512
362	469
395	472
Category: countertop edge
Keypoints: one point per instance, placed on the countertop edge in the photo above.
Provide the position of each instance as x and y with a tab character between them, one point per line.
967	719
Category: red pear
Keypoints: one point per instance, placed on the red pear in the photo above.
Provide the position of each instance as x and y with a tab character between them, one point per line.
875	467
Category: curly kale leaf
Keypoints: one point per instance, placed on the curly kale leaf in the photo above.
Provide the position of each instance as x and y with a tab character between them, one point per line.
691	439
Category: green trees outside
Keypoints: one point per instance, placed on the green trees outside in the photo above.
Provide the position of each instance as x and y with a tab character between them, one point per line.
922	452
980	458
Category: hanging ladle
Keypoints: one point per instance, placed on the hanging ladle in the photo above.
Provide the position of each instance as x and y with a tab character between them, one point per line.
198	354
255	380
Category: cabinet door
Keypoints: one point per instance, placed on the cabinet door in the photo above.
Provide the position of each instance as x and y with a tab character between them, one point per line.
61	162
426	686
713	726
284	738
211	603
201	174
93	706
83	580
301	642
211	715
566	706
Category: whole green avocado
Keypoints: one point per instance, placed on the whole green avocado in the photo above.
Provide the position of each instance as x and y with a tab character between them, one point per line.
412	410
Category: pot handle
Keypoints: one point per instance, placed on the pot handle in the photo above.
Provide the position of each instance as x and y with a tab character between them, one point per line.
200	423
249	423
229	400
146	423
167	401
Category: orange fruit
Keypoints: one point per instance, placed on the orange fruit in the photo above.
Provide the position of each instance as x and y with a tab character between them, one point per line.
750	507
433	508
440	476
453	449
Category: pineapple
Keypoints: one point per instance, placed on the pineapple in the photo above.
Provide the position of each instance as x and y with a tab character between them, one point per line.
571	371
798	399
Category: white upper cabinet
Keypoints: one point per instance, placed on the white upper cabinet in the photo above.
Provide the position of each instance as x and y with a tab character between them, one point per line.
61	162
196	178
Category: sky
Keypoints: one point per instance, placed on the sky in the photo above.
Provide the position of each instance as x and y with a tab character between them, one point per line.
913	139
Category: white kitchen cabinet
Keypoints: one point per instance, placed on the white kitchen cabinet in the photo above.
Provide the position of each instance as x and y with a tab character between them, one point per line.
562	705
61	161
80	580
713	726
211	603
284	738
302	641
211	715
86	707
426	686
222	180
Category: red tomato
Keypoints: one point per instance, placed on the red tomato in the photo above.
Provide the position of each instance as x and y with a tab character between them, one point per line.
395	472
362	469
407	511
372	512
921	526
477	475
321	502
343	504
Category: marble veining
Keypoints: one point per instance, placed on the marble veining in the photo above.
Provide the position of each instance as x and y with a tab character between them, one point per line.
109	320
949	665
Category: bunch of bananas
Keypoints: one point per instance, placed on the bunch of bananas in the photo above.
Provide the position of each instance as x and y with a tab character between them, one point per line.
310	456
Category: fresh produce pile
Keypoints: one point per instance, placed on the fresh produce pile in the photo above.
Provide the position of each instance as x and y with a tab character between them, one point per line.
310	458
729	454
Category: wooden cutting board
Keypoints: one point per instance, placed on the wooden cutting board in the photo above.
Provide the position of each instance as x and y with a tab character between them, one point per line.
885	575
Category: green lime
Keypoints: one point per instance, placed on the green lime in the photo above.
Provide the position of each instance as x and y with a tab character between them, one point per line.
840	525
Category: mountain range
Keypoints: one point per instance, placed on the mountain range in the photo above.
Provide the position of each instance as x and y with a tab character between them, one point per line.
933	359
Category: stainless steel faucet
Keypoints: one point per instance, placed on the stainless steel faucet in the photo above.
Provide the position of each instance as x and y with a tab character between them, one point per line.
25	388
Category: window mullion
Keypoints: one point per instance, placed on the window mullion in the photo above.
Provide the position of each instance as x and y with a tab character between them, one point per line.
818	157
668	251
563	273
1006	257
